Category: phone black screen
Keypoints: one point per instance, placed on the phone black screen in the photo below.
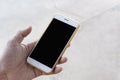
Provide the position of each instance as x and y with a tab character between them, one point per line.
52	42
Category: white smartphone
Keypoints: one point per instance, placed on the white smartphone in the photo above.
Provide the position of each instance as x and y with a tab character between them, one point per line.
51	46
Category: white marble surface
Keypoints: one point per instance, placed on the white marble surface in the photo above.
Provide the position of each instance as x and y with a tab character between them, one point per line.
95	51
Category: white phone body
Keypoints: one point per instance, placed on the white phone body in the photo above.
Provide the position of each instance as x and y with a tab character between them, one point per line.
39	63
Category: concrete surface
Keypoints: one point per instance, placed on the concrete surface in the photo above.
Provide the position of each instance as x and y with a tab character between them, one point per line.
95	51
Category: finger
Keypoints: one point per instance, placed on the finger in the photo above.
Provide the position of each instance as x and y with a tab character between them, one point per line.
38	72
62	60
21	35
30	46
57	70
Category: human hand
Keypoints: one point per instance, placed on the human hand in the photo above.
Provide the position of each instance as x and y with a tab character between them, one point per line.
13	63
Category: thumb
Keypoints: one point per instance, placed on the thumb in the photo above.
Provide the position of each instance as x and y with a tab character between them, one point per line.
30	46
22	34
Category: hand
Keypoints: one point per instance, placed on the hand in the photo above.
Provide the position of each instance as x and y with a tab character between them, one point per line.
13	62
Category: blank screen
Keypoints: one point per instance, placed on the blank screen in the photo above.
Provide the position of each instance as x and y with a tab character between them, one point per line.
52	42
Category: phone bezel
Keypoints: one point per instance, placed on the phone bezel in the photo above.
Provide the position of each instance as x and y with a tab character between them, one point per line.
43	67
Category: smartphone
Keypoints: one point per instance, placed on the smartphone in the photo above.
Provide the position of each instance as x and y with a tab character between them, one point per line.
53	43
